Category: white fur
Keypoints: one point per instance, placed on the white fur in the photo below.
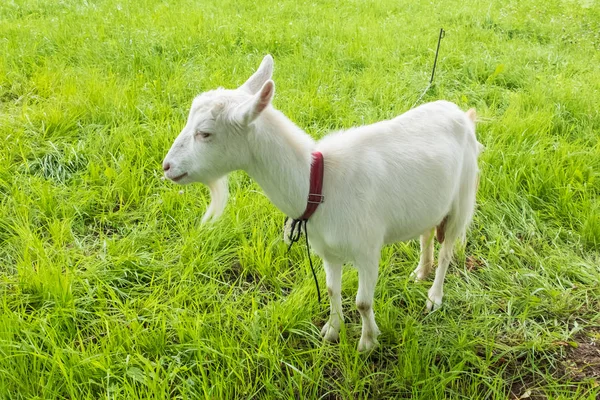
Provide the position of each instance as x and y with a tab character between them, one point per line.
386	182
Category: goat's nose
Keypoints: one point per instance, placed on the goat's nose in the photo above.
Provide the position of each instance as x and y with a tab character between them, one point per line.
166	166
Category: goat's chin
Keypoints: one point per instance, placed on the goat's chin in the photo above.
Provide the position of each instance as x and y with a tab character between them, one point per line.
219	193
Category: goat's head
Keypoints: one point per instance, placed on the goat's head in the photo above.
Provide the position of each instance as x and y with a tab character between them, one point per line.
214	140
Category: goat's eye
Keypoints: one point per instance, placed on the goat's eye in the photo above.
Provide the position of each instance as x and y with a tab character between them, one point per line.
203	135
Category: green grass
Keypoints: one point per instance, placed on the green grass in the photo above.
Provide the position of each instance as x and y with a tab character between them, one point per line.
110	288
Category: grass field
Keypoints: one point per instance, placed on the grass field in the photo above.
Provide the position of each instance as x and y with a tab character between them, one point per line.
111	289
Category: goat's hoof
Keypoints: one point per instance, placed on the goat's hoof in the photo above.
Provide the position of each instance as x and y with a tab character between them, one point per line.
330	333
417	275
367	344
434	301
420	273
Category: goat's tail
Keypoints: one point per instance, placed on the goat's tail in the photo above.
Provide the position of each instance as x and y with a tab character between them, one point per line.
472	114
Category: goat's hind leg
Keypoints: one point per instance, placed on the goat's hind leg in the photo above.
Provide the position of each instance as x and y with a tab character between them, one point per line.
436	292
426	261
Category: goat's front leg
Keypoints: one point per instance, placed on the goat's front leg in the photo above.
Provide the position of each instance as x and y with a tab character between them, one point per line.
367	279
333	272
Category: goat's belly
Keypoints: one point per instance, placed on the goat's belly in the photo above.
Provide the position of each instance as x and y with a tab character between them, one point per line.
409	230
399	236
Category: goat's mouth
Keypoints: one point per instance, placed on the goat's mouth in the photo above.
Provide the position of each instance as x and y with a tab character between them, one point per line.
178	178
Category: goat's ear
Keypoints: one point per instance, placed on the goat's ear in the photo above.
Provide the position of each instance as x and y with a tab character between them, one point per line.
250	109
262	74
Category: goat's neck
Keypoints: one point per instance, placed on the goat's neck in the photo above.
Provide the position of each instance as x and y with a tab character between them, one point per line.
281	161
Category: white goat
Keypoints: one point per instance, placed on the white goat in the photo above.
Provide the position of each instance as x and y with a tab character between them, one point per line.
386	182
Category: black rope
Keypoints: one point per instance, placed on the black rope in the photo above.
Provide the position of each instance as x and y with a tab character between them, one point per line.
442	34
294	236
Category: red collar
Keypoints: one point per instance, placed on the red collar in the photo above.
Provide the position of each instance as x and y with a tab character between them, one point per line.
315	196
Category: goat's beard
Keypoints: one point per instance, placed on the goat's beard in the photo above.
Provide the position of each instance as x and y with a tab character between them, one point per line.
219	193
